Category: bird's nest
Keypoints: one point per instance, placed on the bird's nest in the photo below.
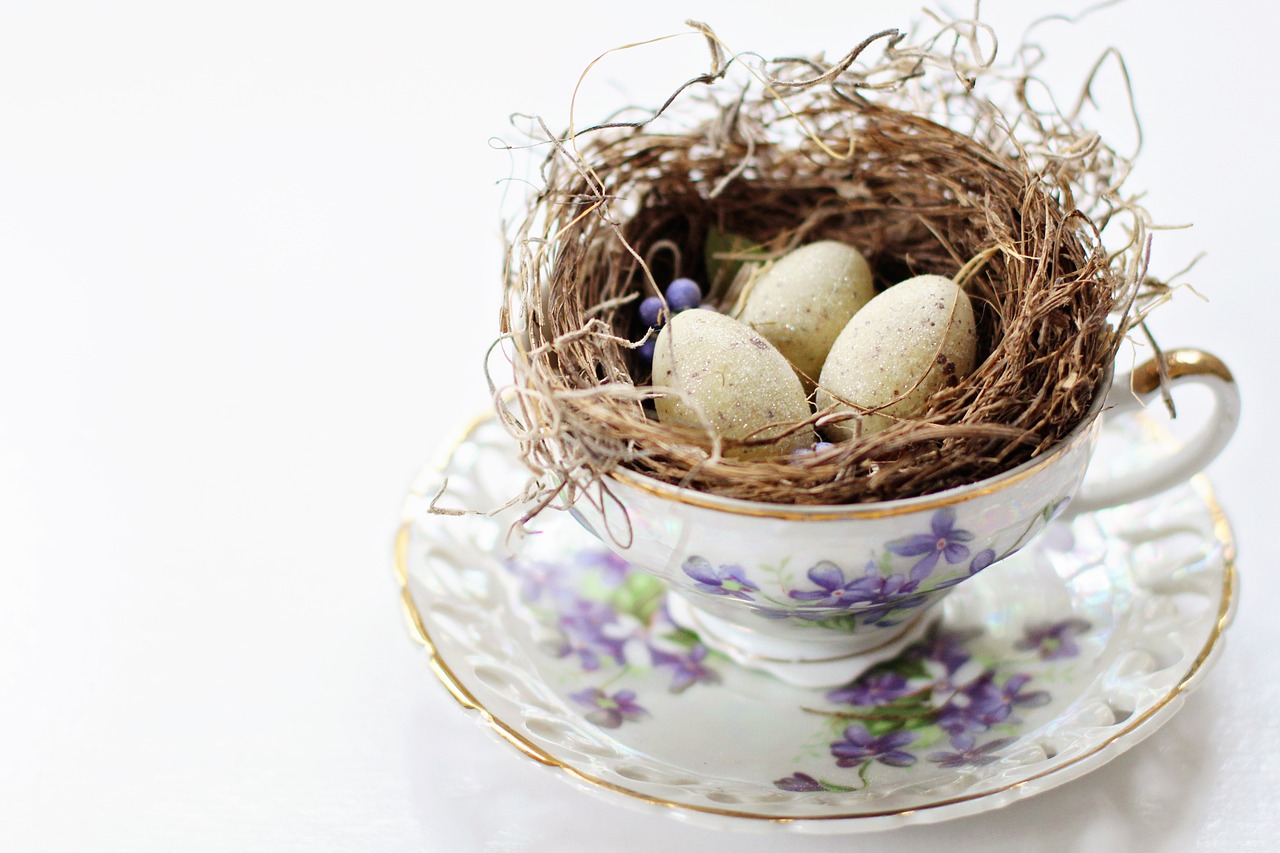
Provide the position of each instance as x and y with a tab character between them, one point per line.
903	157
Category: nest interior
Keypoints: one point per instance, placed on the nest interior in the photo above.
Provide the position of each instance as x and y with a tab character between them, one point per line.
627	209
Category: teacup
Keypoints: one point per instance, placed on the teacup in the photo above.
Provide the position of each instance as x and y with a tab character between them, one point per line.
817	594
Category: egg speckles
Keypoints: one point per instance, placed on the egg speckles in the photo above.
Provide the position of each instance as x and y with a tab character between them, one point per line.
803	301
898	350
733	381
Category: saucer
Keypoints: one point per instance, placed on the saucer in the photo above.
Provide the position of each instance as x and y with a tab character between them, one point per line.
1042	668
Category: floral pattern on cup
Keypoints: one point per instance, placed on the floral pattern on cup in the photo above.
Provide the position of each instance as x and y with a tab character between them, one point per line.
942	541
730	580
886	591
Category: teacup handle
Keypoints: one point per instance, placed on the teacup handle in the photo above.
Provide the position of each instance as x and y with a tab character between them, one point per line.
1131	393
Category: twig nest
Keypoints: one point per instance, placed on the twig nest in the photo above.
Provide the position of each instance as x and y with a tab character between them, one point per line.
806	152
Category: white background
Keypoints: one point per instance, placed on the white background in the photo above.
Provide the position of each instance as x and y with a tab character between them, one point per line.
249	266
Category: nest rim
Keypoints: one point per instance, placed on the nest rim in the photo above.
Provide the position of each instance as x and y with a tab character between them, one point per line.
685	470
878	509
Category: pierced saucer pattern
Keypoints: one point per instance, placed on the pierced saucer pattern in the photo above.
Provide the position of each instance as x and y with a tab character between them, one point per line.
1046	665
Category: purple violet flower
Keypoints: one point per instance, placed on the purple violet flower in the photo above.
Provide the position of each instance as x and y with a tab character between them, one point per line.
871	597
834	590
686	669
886	596
584	625
798	782
611	568
982	703
609	712
858	745
536	577
730	580
967	755
943	541
947	648
872	690
980	561
1054	641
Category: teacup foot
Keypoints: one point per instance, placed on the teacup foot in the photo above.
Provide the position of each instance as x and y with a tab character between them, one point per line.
829	662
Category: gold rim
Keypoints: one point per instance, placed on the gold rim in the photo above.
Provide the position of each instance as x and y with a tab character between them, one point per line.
468	700
1179	362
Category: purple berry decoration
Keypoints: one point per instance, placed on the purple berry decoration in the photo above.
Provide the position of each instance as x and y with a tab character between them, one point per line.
809	451
651	310
645	350
683	294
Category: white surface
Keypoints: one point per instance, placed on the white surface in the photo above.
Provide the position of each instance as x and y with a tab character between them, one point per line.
249	257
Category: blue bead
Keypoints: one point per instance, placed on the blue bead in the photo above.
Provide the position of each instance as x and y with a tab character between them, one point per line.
645	350
651	310
683	293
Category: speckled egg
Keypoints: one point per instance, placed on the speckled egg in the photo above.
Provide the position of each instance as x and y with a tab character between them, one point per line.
735	378
803	301
903	345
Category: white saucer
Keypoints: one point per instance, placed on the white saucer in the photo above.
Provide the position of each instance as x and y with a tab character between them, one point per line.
1035	672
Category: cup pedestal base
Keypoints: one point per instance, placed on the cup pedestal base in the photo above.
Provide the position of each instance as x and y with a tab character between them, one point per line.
828	660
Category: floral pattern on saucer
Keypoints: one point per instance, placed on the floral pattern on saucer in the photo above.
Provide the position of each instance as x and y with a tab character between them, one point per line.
1048	665
937	701
902	709
611	621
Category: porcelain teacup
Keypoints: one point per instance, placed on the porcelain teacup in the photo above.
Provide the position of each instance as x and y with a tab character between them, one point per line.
817	594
